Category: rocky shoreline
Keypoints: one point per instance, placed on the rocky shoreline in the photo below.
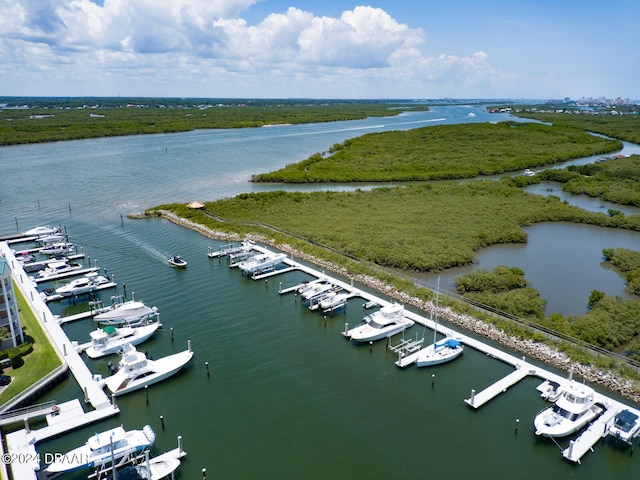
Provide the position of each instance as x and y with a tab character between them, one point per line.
539	351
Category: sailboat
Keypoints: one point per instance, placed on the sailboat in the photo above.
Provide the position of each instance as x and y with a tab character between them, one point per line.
439	352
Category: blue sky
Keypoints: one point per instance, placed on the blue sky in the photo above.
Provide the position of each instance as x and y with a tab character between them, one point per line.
536	49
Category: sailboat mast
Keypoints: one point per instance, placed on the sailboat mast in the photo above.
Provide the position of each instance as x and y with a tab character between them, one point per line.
435	325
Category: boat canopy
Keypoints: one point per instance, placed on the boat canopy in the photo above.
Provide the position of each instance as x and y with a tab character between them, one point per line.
449	342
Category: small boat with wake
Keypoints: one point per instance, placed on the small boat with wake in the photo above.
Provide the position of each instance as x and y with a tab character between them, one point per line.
177	261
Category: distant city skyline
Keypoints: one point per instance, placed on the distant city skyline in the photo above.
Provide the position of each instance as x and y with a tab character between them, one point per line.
332	49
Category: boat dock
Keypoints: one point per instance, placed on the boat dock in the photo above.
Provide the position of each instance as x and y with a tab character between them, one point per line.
598	429
68	415
478	399
407	352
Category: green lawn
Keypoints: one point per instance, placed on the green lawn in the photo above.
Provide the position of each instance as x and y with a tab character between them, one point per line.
39	363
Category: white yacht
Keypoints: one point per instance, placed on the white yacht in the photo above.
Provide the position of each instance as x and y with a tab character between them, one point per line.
57	268
135	370
573	410
104	447
317	289
263	261
625	427
88	283
110	339
333	301
57	248
40	231
132	313
382	323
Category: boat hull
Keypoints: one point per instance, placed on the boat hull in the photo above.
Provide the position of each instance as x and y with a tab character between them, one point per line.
428	357
164	368
137	336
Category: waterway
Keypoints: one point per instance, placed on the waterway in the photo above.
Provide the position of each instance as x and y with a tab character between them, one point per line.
286	396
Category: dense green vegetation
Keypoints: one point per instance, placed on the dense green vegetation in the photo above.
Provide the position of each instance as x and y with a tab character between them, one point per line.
505	289
616	180
418	227
623	127
628	261
443	152
611	323
66	122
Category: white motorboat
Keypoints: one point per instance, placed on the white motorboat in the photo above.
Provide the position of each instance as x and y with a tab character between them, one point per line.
263	261
333	301
40	231
317	289
439	352
135	370
383	323
103	448
177	261
132	313
573	410
57	268
57	248
110	339
88	283
157	468
625	427
54	238
529	173
550	390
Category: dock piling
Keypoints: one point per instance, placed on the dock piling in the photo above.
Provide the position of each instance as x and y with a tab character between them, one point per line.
146	394
162	421
171	334
473	396
517	424
206	365
113	401
346	327
204	474
433	380
180	449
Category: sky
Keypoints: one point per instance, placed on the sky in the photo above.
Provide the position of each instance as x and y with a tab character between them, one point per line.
360	49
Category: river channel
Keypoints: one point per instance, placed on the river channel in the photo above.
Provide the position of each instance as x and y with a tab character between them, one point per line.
286	396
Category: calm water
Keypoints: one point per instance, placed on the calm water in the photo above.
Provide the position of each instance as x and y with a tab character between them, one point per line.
287	396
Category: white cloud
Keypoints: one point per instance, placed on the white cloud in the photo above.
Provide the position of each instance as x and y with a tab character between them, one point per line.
205	48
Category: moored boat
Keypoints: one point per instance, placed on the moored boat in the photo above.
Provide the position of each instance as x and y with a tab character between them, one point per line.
263	261
102	448
439	352
132	313
574	408
110	339
625	427
58	268
88	283
57	248
383	323
135	370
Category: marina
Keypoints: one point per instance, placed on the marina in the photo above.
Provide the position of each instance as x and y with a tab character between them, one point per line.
300	387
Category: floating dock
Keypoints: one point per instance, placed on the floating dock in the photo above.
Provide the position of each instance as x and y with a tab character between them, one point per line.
584	443
69	415
478	399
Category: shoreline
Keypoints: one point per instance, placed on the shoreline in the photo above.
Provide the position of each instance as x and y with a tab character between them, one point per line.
534	350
